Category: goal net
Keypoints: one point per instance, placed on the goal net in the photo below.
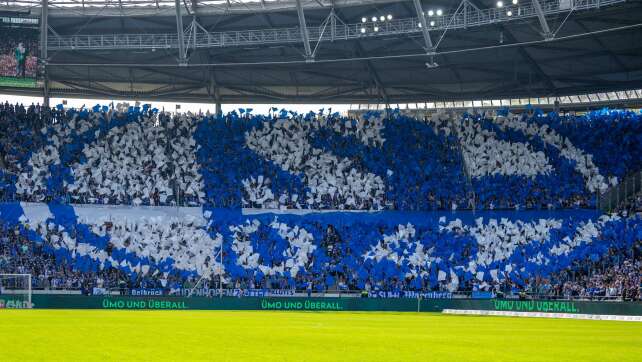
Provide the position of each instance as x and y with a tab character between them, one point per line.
15	291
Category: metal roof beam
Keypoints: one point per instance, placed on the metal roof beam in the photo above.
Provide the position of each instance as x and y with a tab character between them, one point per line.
304	32
257	90
44	35
429	48
272	36
546	30
182	54
331	75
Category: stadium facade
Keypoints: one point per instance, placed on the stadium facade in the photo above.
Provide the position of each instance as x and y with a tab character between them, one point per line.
256	52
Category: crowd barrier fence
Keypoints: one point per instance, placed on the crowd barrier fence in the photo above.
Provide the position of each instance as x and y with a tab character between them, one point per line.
53	301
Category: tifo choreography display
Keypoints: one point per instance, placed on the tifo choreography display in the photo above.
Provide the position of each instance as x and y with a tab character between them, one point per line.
130	198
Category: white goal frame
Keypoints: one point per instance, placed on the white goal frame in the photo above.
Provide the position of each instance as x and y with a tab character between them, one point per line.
28	291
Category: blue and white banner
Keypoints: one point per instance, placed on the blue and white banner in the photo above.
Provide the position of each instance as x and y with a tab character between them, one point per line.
478	294
146	291
212	292
410	294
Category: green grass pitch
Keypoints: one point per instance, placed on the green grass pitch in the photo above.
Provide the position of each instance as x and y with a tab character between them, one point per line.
84	335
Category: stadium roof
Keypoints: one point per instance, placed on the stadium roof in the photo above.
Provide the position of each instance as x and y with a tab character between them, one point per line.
594	50
151	7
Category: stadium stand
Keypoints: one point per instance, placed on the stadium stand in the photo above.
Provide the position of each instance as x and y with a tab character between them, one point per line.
322	161
250	191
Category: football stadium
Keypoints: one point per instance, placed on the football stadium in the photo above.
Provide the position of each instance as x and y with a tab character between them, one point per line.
321	180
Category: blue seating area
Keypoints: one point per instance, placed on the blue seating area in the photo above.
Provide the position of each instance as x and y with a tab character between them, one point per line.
322	161
314	202
413	161
563	187
225	162
17	141
612	137
393	251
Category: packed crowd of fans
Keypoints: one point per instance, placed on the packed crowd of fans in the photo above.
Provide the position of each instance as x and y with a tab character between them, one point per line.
631	205
19	255
330	162
137	156
18	139
336	253
141	157
578	259
613	139
618	281
141	162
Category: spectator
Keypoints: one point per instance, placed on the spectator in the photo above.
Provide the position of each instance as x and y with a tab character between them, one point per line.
21	56
138	156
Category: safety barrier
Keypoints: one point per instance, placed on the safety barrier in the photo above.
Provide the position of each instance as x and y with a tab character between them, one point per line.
52	301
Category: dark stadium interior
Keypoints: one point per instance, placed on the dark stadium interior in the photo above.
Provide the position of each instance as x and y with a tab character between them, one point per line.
592	63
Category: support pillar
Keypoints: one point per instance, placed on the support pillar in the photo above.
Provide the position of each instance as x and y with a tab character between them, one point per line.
219	110
304	32
44	31
182	55
546	30
214	91
424	27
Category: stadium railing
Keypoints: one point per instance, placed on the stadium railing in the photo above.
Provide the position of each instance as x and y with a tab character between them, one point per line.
243	293
614	196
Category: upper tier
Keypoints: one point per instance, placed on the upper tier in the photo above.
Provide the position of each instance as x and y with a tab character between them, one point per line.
316	161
